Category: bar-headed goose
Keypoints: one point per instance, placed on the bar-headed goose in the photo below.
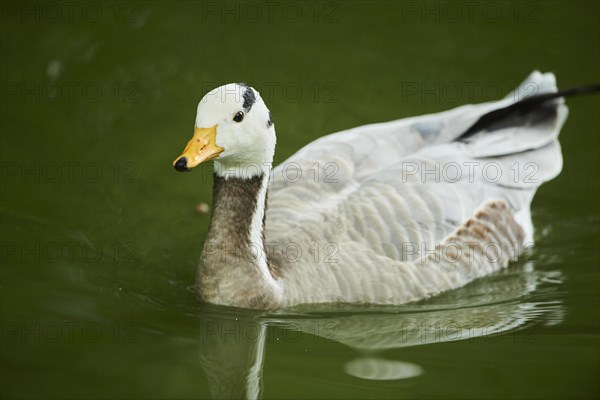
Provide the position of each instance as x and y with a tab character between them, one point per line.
384	214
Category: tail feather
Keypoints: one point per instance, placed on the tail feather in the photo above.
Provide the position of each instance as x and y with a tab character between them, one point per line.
528	111
522	138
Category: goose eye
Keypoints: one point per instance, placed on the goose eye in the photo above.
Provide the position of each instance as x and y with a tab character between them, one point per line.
238	117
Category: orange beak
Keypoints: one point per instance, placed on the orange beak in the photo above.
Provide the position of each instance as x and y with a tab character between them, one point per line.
201	148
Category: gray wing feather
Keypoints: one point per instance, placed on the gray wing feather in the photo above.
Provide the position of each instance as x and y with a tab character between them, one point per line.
368	203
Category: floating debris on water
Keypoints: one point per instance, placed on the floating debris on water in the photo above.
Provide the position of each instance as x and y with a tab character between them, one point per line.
202	208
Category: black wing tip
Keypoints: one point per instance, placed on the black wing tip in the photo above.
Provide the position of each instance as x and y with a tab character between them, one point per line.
525	106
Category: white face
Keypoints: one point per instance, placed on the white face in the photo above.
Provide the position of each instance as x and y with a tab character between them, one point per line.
244	127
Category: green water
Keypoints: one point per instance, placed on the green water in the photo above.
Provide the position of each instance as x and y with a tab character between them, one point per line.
100	237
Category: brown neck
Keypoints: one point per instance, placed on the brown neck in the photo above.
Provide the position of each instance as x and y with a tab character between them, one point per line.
234	269
235	202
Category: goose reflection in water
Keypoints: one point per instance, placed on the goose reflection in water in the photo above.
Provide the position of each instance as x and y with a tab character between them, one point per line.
233	343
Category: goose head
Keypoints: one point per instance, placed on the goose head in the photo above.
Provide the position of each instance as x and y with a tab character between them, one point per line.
233	127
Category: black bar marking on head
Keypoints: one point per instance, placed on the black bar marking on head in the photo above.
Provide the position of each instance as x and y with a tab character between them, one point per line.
249	97
270	121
